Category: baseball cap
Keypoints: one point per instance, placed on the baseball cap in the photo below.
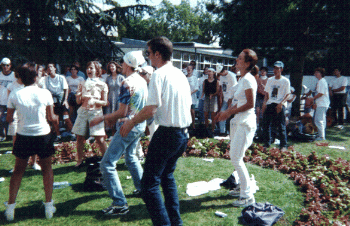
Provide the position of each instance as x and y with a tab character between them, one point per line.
5	61
134	59
279	64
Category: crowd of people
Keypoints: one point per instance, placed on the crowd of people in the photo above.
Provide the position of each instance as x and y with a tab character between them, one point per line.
134	95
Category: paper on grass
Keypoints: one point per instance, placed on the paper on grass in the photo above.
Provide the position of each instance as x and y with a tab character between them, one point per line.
202	187
337	147
2	179
209	160
8	152
222	138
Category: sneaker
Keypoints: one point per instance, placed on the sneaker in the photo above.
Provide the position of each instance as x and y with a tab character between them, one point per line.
11	171
244	202
235	192
36	166
2	139
10	211
340	126
116	210
50	209
73	137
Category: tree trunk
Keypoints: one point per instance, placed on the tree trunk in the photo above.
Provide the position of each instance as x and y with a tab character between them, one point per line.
296	77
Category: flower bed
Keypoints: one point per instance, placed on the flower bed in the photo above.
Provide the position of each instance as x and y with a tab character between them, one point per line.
325	181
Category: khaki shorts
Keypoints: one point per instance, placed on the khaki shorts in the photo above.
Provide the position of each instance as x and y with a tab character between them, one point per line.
81	125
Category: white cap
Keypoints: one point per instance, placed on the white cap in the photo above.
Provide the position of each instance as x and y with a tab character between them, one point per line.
211	69
148	69
219	68
5	61
134	59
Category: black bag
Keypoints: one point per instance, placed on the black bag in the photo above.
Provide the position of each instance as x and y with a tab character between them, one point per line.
93	179
230	183
261	214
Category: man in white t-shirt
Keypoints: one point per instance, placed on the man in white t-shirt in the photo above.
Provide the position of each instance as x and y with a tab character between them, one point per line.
277	92
227	81
169	101
195	72
321	100
7	76
337	91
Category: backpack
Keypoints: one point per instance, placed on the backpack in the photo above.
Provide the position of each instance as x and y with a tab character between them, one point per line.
261	214
93	179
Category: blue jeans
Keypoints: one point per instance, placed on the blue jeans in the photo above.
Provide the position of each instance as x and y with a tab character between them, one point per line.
167	145
201	111
222	124
118	146
277	121
3	123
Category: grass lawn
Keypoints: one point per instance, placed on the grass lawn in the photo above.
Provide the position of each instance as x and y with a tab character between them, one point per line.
75	207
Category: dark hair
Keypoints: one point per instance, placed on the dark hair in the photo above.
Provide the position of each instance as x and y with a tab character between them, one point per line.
264	68
163	45
251	57
321	70
119	68
193	62
74	66
26	74
255	70
97	67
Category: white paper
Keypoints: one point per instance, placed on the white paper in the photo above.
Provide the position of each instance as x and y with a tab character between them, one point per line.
2	179
337	147
209	160
8	152
202	187
222	138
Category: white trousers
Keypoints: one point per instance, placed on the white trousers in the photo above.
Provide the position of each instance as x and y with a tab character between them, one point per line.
320	121
241	139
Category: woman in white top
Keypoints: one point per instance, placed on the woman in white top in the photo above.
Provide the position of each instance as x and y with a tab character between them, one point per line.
33	106
243	125
92	95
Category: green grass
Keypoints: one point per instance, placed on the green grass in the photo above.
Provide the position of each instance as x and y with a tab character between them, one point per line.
75	207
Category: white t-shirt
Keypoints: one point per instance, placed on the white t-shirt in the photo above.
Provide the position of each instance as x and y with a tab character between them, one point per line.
193	81
30	104
5	81
170	92
56	85
227	82
247	117
336	83
232	91
73	83
322	87
14	86
277	89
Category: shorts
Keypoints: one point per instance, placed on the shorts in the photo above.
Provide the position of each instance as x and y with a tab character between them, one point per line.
81	125
193	106
259	101
26	146
59	109
210	105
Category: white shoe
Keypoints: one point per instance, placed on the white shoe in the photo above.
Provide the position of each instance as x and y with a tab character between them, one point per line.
36	166
10	211
244	202
50	209
11	171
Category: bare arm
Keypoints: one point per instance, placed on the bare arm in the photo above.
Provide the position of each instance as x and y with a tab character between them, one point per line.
9	117
51	117
112	118
146	113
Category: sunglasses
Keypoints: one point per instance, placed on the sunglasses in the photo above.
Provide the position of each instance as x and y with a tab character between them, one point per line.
147	53
6	65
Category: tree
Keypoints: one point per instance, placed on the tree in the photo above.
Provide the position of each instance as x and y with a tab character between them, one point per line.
180	23
60	30
285	30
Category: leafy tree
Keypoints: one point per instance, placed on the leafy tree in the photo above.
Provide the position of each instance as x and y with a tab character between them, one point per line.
60	30
286	30
180	23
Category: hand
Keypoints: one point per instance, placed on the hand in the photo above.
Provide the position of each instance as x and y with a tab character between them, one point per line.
210	96
221	116
55	119
279	108
314	106
126	128
96	120
65	103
